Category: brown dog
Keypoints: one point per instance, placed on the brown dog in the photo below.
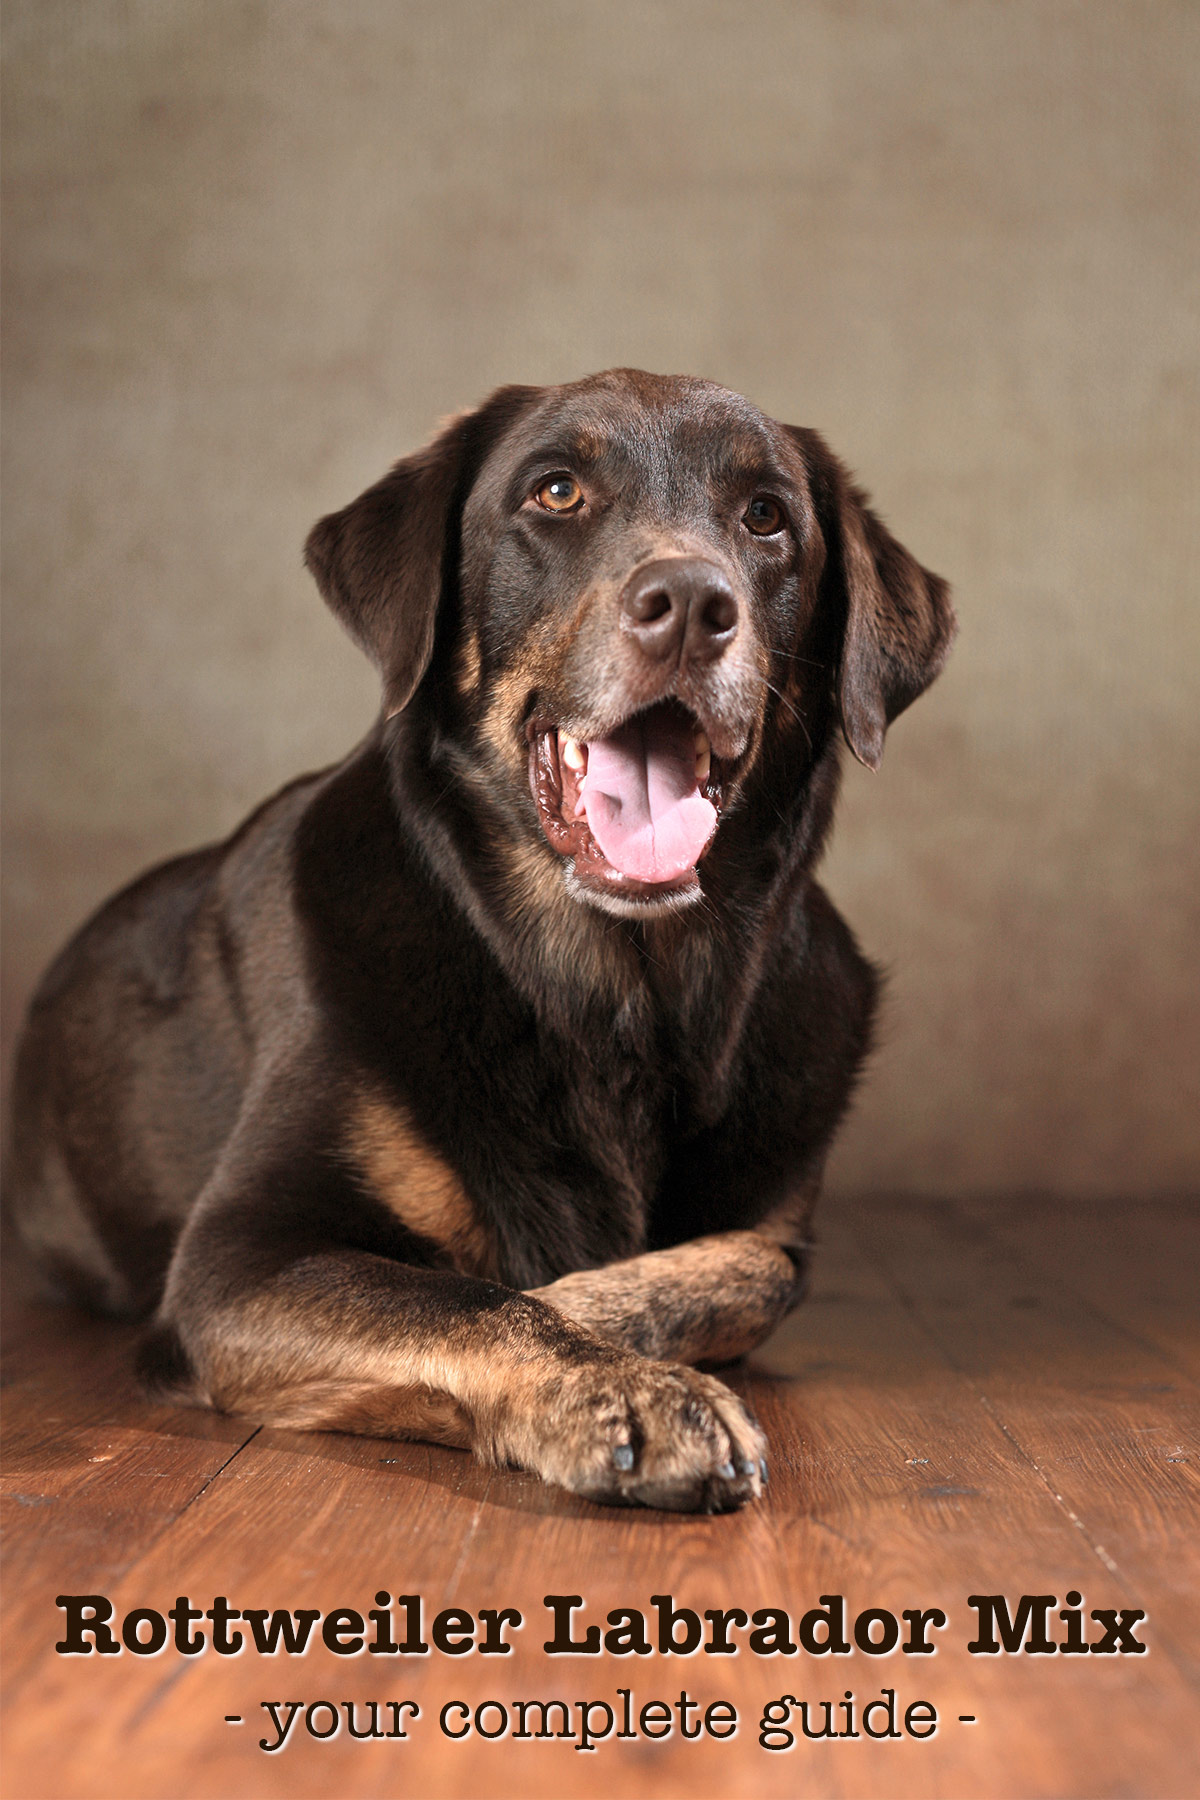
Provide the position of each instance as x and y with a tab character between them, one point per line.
477	1086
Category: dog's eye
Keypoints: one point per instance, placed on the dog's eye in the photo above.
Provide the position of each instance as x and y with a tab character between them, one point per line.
763	516
561	494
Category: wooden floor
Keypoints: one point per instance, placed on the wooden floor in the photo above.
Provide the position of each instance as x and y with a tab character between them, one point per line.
991	1399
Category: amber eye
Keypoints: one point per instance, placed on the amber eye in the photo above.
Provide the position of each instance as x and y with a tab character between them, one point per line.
561	494
763	516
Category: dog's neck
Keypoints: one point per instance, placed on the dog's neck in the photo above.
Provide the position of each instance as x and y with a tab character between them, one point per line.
690	975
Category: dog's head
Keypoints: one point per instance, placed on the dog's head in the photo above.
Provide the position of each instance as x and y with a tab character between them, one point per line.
622	602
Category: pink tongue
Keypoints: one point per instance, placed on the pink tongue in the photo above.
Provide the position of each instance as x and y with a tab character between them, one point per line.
643	806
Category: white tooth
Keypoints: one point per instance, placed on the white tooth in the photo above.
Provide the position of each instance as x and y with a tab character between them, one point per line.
572	753
703	757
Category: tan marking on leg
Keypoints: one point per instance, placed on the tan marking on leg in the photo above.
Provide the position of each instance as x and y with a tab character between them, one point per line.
415	1184
347	1341
708	1301
328	1345
366	1409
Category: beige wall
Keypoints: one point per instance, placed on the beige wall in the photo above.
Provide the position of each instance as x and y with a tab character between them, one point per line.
255	250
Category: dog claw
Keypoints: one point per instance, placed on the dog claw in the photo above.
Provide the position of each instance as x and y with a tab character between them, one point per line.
726	1471
762	1469
623	1456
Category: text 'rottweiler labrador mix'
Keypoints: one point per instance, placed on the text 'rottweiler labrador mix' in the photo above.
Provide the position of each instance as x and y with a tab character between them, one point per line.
476	1088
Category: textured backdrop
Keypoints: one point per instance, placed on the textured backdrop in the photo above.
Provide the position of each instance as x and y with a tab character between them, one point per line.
254	251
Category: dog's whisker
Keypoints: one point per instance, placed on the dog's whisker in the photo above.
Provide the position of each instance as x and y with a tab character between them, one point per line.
794	710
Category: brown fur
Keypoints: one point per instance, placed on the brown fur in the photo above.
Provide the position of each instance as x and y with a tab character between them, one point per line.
708	1301
415	1184
320	1348
402	1110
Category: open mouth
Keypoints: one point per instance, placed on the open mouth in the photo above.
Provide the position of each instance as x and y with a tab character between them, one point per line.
636	810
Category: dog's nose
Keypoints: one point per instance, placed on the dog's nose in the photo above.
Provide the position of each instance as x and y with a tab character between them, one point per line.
680	607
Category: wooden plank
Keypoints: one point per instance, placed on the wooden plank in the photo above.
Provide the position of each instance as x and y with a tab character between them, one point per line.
895	1483
1099	1412
936	1495
93	1473
1137	1261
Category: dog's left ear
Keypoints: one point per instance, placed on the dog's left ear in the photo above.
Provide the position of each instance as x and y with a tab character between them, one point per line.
381	562
899	623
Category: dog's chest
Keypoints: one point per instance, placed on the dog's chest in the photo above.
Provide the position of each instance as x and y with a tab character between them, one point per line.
556	1145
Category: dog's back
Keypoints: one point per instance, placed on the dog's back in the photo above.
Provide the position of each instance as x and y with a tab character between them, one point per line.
133	1062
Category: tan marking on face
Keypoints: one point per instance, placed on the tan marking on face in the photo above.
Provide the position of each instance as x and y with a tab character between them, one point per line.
468	666
569	942
502	719
415	1184
538	667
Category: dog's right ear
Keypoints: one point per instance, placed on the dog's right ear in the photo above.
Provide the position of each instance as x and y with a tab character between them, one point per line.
381	562
898	623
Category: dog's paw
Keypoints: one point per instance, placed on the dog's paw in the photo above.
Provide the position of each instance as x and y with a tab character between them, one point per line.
639	1433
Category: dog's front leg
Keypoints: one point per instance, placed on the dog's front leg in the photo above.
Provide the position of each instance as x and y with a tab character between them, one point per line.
343	1340
709	1300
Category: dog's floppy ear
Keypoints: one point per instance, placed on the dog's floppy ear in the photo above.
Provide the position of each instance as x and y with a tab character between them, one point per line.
899	623
381	562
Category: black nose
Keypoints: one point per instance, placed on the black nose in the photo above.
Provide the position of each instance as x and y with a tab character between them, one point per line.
680	607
